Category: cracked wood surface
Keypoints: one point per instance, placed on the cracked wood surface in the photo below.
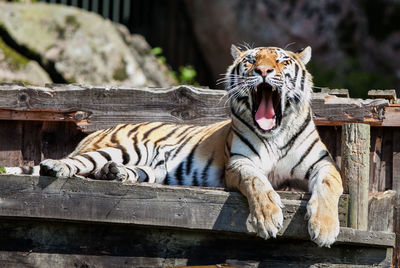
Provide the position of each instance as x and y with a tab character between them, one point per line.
194	208
93	108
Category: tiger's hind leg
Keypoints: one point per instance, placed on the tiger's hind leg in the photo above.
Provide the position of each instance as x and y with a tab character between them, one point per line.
126	173
84	164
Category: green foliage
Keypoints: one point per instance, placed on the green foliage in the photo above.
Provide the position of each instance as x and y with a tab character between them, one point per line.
13	58
120	72
185	75
2	170
157	52
72	21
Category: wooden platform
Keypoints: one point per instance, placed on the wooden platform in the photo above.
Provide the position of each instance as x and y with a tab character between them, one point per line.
48	222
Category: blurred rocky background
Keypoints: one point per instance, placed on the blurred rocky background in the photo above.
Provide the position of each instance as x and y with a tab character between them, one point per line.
43	43
356	43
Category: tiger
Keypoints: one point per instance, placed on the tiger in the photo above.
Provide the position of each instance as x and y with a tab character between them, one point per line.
270	140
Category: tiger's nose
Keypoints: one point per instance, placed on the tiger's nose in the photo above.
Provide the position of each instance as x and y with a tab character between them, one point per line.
263	71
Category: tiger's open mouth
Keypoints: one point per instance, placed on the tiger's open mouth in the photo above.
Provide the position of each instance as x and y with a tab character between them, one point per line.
267	107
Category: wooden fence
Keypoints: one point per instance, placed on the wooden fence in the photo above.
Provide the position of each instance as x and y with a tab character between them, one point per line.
77	222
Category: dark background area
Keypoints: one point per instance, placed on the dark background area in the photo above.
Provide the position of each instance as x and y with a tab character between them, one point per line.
356	44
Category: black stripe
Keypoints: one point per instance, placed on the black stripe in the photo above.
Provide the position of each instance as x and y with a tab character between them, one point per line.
306	138
78	160
241	155
114	135
165	137
185	132
296	70
137	150
205	170
125	156
182	144
133	130
247	142
195	181
167	180
104	135
148	132
105	155
303	74
159	163
147	151
178	173
189	160
295	136
244	100
242	121
237	67
133	171
88	157
304	155
325	154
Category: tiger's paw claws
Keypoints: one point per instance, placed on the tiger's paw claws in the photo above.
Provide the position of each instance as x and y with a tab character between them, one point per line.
267	214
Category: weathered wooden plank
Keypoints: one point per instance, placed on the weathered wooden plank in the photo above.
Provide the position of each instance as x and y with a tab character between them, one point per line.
103	107
78	117
152	205
392	116
339	92
331	110
381	211
355	172
375	159
386	165
93	108
36	243
389	94
11	133
396	187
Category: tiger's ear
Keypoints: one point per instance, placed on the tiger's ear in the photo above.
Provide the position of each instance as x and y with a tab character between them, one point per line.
235	51
304	55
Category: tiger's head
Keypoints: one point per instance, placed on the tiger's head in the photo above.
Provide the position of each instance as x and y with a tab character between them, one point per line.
268	86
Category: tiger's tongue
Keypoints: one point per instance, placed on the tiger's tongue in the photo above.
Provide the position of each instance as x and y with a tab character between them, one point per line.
265	115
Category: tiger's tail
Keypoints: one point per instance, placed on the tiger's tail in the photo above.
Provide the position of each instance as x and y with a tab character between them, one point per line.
25	170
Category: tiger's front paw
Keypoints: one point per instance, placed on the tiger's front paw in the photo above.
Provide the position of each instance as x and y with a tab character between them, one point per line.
266	213
55	168
112	171
323	223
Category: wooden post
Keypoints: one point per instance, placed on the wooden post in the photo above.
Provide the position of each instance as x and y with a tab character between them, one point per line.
355	172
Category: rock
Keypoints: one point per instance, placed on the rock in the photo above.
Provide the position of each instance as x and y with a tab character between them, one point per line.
155	71
73	45
14	67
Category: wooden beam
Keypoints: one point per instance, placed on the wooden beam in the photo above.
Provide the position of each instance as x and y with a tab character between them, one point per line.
340	92
392	116
355	172
389	94
381	207
79	117
153	205
94	108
